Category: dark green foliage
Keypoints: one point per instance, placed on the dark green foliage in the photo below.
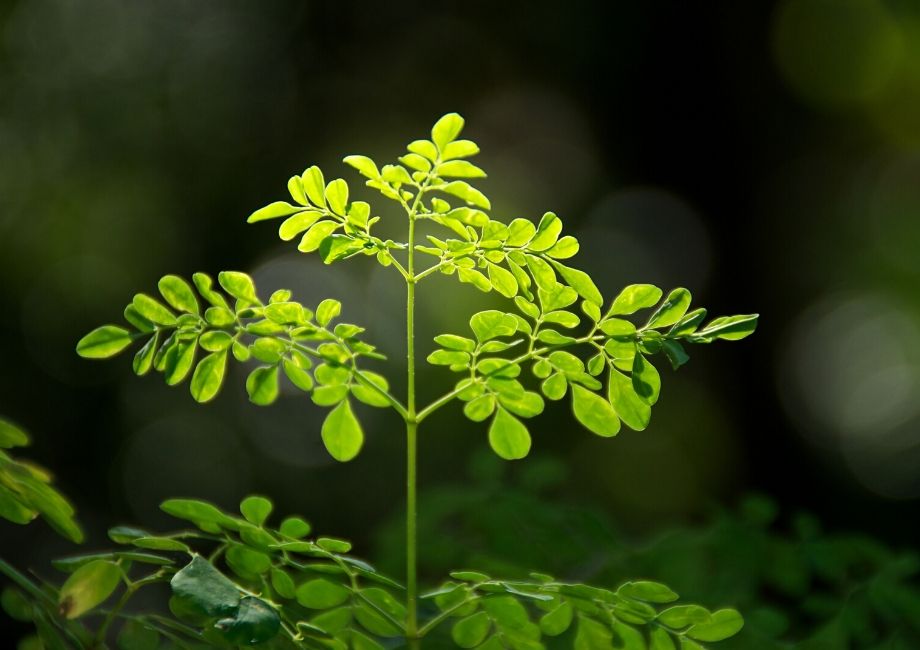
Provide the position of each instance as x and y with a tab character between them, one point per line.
259	585
799	587
26	491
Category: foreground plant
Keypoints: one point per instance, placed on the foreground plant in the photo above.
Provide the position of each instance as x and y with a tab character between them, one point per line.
599	358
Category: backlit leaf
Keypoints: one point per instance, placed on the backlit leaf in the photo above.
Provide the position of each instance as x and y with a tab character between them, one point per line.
508	436
342	433
104	342
594	412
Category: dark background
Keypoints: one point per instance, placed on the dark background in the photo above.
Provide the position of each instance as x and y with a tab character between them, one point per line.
764	156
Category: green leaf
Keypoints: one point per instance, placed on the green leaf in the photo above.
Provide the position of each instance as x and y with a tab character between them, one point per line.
416	162
316	235
262	385
557	620
314	186
139	322
469	632
680	616
364	165
178	293
563	249
246	562
215	341
555	386
424	148
632	409
581	282
454	342
508	436
283	584
645	379
143	360
179	361
256	509
480	408
542	272
547	233
205	590
334	545
650	592
160	544
460	149
671	310
268	349
659	639
460	169
11	435
336	195
594	412
201	513
474	277
729	328
320	593
239	285
448	358
295	188
446	130
558	296
372	619
254	622
342	433
635	297
675	353
104	342
88	587
688	324
203	283
491	324
298	376
503	281
369	395
327	310
468	193
723	624
153	310
295	527
526	405
208	377
520	232
339	247
273	211
592	635
294	225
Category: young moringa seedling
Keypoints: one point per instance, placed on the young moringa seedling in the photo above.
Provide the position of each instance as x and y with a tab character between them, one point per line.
557	338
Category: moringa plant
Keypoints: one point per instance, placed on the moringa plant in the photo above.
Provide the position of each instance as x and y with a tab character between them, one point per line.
556	327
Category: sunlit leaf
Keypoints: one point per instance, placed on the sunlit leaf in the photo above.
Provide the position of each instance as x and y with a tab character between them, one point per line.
342	433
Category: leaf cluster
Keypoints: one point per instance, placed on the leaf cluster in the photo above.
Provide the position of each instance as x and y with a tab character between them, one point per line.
614	379
239	581
284	337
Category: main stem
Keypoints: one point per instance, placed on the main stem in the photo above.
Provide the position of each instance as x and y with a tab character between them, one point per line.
411	455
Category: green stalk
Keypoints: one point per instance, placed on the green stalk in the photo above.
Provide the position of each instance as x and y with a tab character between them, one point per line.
411	453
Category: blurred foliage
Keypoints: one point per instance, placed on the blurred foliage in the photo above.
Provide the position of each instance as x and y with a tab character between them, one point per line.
799	587
26	491
274	588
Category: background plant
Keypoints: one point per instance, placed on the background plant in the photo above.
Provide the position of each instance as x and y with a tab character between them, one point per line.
520	260
800	586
